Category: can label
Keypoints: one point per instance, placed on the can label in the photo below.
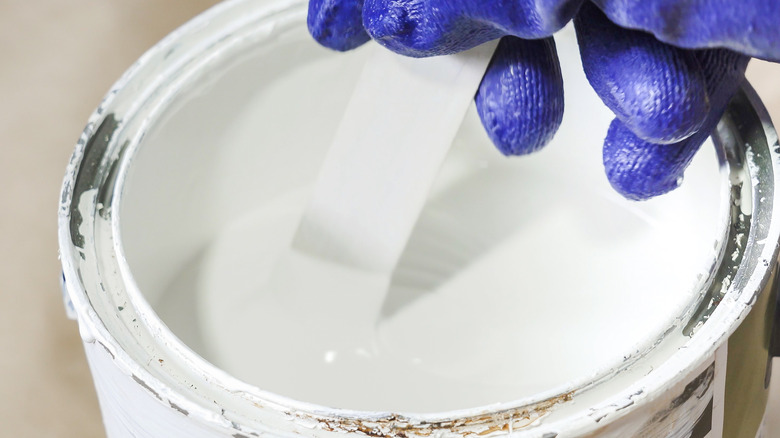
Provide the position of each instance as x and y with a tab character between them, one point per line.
710	422
699	411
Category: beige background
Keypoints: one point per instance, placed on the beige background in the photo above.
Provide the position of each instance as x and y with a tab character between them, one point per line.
57	59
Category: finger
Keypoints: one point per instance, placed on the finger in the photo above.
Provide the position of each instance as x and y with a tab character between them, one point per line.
337	24
641	170
748	26
520	99
440	27
656	90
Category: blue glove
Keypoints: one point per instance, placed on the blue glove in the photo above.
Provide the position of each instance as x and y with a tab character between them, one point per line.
520	100
666	100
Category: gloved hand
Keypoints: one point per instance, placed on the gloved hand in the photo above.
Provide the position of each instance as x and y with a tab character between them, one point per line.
666	99
520	100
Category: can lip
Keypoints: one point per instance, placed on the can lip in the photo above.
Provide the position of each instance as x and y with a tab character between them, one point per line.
100	131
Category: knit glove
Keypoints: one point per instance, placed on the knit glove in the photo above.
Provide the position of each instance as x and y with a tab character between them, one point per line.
666	68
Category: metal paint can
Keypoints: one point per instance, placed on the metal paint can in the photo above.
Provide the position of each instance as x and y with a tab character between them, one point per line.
706	376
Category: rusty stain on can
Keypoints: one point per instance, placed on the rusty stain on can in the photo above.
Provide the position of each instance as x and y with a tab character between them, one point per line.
400	426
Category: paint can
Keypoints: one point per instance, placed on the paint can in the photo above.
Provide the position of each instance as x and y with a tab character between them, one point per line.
180	149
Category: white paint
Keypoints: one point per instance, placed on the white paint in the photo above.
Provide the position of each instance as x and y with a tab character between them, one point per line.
391	141
515	280
492	318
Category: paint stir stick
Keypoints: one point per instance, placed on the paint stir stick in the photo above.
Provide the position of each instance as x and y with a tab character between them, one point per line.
394	135
396	131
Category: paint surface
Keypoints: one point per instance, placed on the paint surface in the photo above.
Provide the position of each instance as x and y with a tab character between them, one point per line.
521	275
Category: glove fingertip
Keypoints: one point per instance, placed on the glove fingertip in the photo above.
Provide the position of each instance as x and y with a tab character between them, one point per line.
337	24
656	90
441	27
421	29
520	99
527	19
640	170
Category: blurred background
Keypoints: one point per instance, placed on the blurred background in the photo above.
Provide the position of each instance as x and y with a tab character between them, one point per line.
57	59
